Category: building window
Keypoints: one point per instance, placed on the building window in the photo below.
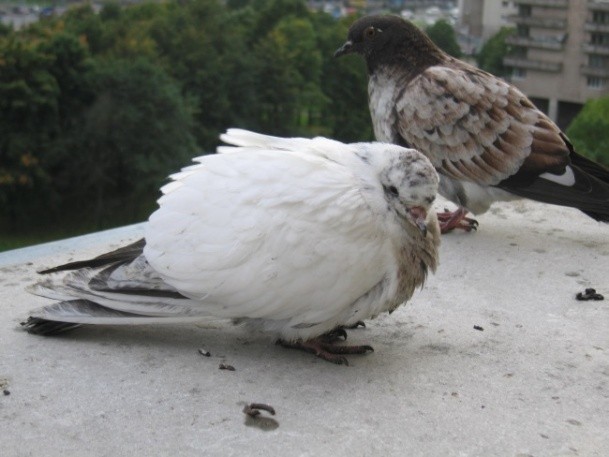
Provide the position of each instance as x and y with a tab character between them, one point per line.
524	10
519	73
600	17
519	52
596	61
596	83
599	38
522	30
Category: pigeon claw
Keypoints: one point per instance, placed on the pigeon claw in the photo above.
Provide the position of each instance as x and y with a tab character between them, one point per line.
327	351
356	325
451	220
338	334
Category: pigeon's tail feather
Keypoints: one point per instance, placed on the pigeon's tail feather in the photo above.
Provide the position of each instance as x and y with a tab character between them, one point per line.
117	289
69	314
584	185
89	286
590	193
594	181
590	167
600	217
118	256
599	172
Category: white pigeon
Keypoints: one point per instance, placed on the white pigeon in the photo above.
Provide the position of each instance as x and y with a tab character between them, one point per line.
295	237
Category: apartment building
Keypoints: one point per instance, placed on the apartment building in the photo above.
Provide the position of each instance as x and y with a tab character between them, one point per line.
483	18
560	53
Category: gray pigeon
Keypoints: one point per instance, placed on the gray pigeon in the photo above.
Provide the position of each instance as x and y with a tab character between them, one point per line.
485	138
291	236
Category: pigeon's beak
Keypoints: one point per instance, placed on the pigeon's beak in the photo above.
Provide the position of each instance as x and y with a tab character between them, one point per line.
418	216
346	48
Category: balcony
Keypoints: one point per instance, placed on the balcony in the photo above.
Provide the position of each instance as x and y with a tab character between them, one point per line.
596	5
596	27
538	65
596	49
552	44
595	71
434	386
539	22
544	3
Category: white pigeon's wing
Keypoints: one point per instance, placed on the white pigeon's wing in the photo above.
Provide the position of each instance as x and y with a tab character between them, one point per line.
83	311
475	127
137	294
287	237
247	141
127	293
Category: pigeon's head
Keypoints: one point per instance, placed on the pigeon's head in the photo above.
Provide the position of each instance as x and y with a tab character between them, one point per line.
409	183
388	39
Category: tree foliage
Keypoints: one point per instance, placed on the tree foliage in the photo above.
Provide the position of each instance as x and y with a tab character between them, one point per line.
97	108
443	35
136	129
589	131
490	57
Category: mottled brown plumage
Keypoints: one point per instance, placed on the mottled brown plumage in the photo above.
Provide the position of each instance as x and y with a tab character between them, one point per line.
485	137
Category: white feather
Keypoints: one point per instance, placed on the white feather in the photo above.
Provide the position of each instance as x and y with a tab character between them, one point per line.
295	235
565	179
279	235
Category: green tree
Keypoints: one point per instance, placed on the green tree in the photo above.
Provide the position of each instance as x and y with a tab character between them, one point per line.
136	131
490	57
443	35
344	83
288	75
96	109
203	47
29	121
268	13
589	131
5	29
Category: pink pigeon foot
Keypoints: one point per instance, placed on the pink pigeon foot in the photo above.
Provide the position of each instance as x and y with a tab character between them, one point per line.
327	351
450	220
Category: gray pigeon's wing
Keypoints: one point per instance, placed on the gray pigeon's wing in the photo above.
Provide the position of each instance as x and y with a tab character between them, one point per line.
475	127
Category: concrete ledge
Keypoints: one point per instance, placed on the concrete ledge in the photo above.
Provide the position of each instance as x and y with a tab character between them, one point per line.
92	241
534	381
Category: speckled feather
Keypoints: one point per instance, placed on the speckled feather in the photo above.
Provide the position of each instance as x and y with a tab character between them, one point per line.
484	136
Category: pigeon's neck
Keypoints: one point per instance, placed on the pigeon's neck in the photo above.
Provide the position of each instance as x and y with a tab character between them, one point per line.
416	259
411	53
406	65
393	71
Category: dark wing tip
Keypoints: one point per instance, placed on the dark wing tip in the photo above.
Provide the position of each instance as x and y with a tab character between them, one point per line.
598	216
38	326
120	255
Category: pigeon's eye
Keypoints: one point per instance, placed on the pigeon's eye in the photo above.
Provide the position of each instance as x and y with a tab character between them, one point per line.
393	191
369	33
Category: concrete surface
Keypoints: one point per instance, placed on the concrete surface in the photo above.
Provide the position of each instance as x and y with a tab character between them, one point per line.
533	382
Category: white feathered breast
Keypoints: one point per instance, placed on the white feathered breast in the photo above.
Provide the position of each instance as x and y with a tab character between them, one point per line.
294	241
